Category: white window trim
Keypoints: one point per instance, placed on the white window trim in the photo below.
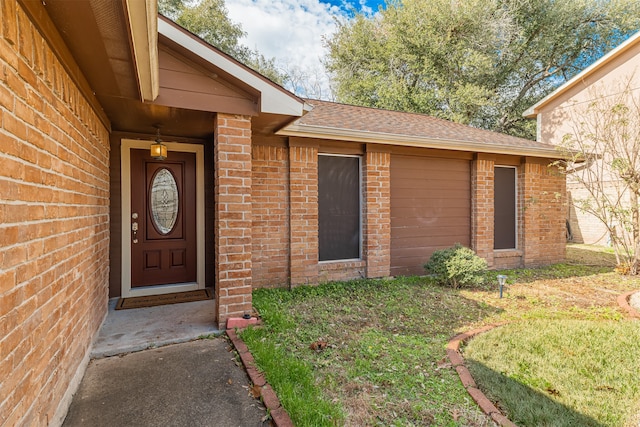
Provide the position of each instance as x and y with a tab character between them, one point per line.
361	200
515	206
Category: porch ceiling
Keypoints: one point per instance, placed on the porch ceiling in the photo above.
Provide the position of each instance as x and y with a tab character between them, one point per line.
97	35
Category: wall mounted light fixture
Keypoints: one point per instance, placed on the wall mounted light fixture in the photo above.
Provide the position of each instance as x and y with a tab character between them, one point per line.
158	149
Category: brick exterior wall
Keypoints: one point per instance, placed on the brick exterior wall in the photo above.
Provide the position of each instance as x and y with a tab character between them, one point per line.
585	227
543	214
482	207
541	211
303	175
54	226
334	271
540	206
377	213
270	216
285	218
232	157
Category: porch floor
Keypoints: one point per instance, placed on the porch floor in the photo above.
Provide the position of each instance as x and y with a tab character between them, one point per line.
126	331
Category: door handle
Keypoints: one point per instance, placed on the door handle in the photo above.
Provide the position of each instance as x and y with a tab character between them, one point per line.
134	228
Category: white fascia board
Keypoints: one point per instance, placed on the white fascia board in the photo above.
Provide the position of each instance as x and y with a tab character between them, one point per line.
337	134
273	99
532	111
144	37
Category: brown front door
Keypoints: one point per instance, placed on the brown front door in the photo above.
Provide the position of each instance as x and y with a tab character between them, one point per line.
163	219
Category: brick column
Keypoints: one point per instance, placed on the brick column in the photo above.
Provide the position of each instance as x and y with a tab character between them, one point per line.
303	184
543	213
232	154
482	206
377	217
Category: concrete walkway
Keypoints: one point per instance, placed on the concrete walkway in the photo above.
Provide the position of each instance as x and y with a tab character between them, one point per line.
125	331
190	384
160	376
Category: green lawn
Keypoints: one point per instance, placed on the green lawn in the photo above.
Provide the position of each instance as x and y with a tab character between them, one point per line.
371	352
561	372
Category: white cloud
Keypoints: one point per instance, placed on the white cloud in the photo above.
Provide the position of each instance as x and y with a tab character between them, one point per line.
290	31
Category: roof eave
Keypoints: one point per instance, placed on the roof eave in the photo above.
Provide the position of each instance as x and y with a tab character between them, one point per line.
338	134
142	18
273	98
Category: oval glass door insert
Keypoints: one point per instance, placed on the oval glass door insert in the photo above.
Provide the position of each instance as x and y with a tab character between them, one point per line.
164	201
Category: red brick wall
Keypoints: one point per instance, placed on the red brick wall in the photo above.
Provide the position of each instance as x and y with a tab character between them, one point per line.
334	271
54	226
285	236
377	213
274	255
482	207
232	156
540	220
303	173
270	216
543	214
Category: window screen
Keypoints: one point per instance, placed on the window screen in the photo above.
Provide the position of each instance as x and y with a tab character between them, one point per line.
338	207
504	208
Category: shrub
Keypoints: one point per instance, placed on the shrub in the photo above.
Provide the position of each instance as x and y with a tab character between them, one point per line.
457	266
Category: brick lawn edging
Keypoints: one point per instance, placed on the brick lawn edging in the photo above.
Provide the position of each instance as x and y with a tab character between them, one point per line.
623	302
457	361
281	418
279	415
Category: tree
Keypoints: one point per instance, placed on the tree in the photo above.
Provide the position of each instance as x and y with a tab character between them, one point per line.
209	20
602	154
477	62
307	83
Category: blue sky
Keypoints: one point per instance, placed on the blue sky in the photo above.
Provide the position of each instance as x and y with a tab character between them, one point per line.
291	31
371	4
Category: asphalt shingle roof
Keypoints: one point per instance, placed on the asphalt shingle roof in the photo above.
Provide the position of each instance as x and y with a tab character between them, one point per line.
372	122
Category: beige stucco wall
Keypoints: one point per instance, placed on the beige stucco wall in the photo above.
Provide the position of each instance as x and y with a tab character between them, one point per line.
563	114
569	113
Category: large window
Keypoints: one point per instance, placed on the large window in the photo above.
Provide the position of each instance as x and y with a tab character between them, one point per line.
505	225
339	207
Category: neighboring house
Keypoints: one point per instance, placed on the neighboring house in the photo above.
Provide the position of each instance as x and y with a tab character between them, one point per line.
612	78
260	187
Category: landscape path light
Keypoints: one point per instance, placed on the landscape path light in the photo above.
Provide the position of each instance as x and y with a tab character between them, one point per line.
502	279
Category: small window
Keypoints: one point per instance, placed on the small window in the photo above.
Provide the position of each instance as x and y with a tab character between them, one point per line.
505	226
338	207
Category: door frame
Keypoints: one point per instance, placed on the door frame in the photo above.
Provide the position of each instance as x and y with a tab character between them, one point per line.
126	290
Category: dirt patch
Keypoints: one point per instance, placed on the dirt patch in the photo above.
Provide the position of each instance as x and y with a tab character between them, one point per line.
586	287
590	255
